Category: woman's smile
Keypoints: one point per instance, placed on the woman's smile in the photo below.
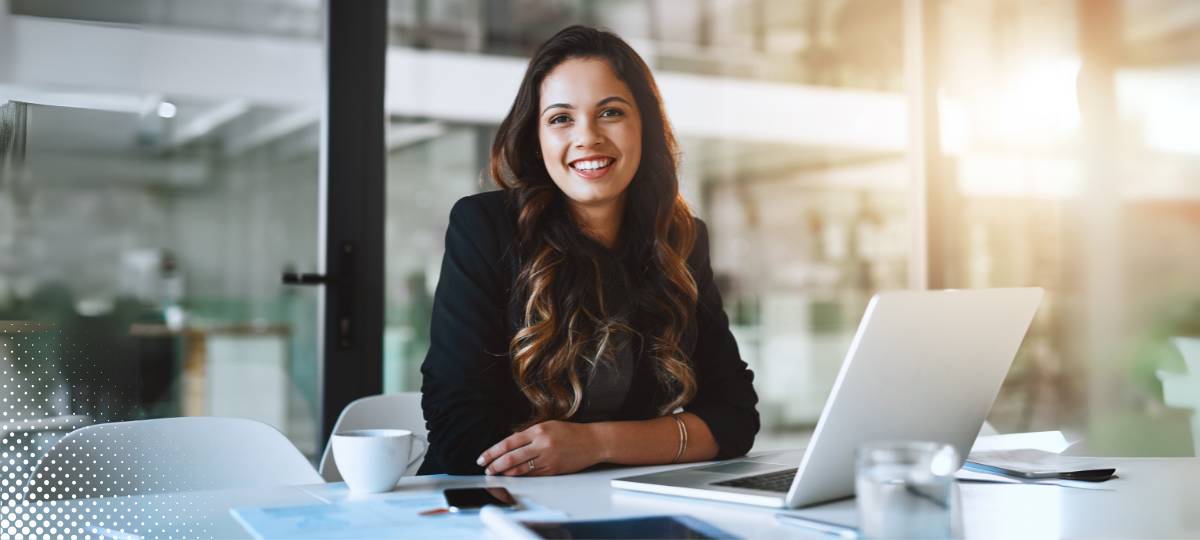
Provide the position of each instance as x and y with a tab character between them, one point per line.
592	167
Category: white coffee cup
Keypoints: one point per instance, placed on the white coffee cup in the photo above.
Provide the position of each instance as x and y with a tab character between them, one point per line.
373	460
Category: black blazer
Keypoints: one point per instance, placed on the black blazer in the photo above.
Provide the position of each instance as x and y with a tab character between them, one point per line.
469	396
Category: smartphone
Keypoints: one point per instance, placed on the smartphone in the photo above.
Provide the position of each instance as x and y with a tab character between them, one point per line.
471	499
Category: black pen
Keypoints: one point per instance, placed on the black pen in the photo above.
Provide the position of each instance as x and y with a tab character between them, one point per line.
827	527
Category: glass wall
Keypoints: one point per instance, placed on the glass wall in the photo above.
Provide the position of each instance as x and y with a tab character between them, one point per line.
1072	163
156	176
791	121
159	163
1065	160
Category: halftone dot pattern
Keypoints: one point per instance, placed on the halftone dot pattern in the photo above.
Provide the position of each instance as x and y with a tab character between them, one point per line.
81	488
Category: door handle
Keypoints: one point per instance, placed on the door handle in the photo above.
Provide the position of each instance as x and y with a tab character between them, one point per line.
344	294
295	278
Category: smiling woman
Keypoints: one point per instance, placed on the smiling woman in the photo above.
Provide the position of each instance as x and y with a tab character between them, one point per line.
576	321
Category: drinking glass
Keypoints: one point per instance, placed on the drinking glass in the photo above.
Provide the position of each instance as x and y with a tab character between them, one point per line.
906	489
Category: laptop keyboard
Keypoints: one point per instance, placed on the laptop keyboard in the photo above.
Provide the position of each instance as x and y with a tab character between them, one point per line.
779	481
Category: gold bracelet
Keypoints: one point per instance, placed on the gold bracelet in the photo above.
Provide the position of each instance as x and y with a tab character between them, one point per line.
683	437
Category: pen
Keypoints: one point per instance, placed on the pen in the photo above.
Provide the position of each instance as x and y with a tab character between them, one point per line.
827	527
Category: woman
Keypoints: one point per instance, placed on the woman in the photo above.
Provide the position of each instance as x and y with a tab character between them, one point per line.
576	311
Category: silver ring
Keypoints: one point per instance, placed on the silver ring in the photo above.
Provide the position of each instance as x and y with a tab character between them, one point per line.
531	466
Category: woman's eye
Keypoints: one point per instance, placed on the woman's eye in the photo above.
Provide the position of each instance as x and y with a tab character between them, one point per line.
612	112
558	119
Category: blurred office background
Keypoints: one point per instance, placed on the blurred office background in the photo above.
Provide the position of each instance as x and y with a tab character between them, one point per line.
159	169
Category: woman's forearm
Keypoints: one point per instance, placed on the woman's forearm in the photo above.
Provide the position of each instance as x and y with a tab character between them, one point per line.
656	441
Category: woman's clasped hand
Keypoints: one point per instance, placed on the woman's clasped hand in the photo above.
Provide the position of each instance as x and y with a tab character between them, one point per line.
548	448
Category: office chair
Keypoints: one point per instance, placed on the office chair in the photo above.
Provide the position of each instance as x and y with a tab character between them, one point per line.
168	455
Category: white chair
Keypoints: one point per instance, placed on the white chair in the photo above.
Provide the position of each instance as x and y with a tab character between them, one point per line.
385	411
36	406
168	455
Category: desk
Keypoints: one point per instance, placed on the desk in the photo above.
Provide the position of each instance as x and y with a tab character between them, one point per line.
1154	498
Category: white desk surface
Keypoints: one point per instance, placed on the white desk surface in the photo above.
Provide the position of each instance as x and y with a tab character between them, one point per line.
1153	498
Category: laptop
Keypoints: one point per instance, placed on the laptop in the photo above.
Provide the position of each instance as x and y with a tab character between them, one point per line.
923	365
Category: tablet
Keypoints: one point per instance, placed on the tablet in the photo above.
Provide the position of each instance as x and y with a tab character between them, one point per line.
635	527
641	527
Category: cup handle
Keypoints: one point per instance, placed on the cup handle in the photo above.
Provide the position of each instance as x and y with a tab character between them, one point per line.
421	454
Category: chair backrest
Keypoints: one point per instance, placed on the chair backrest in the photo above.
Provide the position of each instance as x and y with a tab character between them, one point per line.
168	455
386	411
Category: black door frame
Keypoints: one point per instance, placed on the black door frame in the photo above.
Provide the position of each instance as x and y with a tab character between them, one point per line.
352	201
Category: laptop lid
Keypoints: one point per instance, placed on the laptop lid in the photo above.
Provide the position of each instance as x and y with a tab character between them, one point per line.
923	365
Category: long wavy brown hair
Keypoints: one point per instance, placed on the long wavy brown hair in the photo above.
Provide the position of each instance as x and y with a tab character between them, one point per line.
569	322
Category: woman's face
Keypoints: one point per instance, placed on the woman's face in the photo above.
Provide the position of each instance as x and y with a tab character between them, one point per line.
590	132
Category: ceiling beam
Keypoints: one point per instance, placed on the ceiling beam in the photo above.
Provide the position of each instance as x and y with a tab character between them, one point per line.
69	58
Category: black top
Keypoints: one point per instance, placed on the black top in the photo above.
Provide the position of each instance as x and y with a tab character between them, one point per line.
469	396
606	384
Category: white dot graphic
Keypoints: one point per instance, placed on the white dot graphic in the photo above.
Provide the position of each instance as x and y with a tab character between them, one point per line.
57	486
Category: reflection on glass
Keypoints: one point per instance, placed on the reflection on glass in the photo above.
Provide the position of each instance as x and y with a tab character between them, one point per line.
1067	162
1071	169
149	198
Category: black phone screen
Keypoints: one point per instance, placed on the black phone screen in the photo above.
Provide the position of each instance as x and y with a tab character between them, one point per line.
476	498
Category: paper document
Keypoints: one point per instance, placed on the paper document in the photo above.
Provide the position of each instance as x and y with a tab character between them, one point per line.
394	515
1050	441
965	475
1031	462
1036	461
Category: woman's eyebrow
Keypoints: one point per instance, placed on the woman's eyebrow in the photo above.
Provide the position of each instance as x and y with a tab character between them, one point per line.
558	105
608	99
